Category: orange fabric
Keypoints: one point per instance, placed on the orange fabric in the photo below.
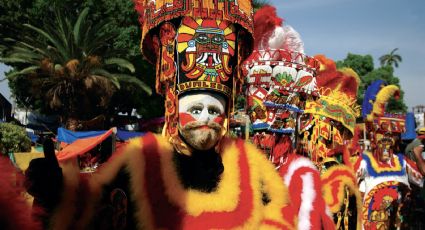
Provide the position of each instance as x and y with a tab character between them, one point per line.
81	146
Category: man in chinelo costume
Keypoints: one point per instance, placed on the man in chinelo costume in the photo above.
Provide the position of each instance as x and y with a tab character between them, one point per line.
327	127
385	174
279	81
192	177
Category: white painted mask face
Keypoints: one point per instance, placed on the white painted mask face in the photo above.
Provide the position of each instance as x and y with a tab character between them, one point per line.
201	118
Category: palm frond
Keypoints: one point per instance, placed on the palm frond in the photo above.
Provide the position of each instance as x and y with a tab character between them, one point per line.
10	60
78	25
55	42
134	80
106	74
121	63
25	71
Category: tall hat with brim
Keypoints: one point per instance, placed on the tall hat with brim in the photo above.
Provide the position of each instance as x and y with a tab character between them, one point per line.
197	45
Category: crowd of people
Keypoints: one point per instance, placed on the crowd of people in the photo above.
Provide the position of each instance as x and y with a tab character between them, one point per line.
303	167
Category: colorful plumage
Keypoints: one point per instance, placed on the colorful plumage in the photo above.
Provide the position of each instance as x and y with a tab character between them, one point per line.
270	33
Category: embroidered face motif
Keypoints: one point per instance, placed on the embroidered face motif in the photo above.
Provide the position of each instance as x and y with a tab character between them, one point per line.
385	146
201	119
206	47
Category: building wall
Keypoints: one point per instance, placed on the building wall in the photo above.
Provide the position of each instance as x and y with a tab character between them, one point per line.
5	109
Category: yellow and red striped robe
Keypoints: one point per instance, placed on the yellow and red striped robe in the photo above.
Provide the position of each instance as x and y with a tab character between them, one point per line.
161	201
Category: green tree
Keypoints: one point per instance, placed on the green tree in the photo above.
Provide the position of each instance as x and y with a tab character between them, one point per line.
386	73
257	4
122	20
359	63
72	69
390	59
364	67
13	138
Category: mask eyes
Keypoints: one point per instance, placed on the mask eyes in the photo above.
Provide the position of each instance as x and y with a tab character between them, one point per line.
218	39
195	110
213	112
202	38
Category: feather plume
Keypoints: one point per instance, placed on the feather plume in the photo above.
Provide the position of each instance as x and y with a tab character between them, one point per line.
382	98
270	33
370	97
265	22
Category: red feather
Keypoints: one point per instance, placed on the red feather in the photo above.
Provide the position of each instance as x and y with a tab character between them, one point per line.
15	212
265	21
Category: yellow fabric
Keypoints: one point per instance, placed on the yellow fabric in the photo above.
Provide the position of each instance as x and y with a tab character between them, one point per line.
23	159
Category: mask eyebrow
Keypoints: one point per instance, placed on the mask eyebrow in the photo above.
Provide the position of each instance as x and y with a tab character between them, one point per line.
216	108
195	106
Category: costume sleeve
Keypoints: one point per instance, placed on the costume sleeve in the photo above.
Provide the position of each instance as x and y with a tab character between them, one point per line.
307	208
275	192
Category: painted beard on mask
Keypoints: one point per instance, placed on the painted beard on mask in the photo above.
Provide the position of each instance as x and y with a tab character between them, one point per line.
201	135
201	118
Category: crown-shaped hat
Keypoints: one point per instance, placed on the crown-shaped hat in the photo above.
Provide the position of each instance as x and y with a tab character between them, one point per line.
338	94
154	12
205	34
197	45
278	74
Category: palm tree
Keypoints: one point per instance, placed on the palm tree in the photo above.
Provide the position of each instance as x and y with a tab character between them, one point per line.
72	69
390	59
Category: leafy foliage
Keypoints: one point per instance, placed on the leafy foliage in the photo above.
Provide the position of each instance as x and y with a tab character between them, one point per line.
364	67
257	4
71	67
13	138
122	21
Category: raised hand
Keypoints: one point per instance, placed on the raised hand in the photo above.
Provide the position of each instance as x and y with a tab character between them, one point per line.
44	180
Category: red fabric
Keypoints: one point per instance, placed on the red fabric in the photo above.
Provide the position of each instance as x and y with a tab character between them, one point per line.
357	164
81	146
154	185
175	217
412	164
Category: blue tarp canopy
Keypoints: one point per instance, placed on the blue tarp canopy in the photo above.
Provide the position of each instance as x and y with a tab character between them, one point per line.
68	136
410	133
33	137
125	135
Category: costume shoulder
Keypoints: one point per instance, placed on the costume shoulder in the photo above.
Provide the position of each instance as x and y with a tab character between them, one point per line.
264	178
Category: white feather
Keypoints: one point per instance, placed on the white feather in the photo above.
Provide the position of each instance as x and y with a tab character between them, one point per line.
286	37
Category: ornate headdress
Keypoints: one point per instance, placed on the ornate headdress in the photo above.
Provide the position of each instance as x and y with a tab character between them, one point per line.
279	78
196	45
338	94
334	112
384	128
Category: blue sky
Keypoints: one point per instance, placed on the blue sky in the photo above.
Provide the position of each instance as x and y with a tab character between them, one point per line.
375	27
